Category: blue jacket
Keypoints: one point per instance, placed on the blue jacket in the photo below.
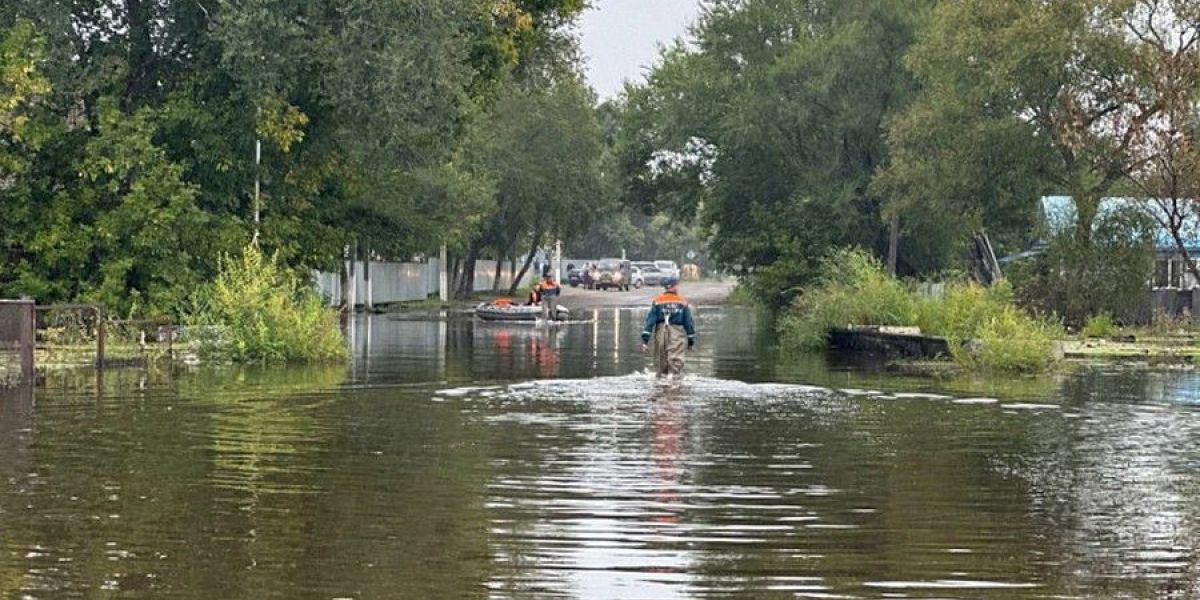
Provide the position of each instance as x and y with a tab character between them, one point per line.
669	307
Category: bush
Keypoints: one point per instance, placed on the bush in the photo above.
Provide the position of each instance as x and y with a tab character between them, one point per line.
854	289
985	328
256	310
1108	274
1099	326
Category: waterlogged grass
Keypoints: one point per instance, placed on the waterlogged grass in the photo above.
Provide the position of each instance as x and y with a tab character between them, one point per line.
257	311
854	290
1099	326
986	330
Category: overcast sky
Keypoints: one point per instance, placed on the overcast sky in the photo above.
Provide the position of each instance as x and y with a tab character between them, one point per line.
621	37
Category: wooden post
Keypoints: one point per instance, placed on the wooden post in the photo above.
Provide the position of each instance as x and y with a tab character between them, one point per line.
101	337
27	338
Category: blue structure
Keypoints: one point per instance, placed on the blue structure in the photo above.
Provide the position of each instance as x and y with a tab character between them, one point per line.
1170	272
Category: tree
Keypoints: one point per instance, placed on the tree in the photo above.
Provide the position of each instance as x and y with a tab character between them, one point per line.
769	131
543	147
1065	84
362	109
1022	97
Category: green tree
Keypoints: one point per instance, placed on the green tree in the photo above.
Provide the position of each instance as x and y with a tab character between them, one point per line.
1022	97
542	145
1069	86
770	129
362	108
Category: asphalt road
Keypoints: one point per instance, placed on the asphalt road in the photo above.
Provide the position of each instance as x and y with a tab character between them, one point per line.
708	292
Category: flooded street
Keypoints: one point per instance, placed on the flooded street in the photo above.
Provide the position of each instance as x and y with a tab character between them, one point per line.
459	459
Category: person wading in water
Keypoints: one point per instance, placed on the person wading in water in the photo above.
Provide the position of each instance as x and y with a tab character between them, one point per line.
548	292
670	324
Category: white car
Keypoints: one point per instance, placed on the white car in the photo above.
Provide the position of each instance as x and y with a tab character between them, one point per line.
638	278
668	268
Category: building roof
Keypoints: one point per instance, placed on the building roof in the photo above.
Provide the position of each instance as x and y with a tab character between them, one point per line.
1058	213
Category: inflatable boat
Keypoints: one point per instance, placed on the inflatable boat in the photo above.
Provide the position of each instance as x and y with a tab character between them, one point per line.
489	311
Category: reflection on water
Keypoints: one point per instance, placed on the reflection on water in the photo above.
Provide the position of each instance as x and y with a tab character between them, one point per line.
456	459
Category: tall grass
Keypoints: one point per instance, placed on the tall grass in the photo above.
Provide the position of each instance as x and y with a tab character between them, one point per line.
257	311
986	330
1099	326
854	289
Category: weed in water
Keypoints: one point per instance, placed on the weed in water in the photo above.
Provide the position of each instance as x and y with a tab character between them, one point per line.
1099	326
985	329
257	311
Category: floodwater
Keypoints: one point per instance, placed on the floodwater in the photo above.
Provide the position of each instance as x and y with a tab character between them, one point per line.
469	460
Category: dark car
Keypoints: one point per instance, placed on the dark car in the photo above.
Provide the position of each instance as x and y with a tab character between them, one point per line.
614	273
574	276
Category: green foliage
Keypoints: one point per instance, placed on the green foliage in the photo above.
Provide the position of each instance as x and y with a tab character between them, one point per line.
257	311
1019	97
127	135
1105	274
985	329
853	289
769	130
1099	326
1010	340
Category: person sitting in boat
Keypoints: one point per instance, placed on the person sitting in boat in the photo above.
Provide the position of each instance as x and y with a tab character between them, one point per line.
548	292
669	322
502	302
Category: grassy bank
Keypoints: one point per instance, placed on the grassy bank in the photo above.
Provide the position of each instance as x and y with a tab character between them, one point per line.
986	330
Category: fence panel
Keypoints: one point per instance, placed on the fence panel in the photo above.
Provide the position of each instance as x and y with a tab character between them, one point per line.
404	282
17	340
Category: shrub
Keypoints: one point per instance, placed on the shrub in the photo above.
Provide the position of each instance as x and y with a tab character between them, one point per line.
1099	326
1108	274
854	290
1010	340
985	328
256	310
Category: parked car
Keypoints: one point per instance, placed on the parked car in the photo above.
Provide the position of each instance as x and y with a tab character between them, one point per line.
668	268
651	275
614	273
636	276
574	276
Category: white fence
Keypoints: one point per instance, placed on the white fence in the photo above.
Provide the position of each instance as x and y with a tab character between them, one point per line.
402	282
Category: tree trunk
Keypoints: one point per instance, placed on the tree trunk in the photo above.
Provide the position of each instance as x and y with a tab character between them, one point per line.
1086	210
516	282
368	301
139	82
499	272
349	292
466	285
893	243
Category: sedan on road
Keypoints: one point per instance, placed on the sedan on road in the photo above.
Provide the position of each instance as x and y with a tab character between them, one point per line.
651	274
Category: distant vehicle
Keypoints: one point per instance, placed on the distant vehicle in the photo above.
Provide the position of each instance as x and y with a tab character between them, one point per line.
614	273
574	276
668	268
636	276
651	274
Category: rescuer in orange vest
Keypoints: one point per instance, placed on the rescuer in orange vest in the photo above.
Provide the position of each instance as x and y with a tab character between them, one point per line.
670	324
